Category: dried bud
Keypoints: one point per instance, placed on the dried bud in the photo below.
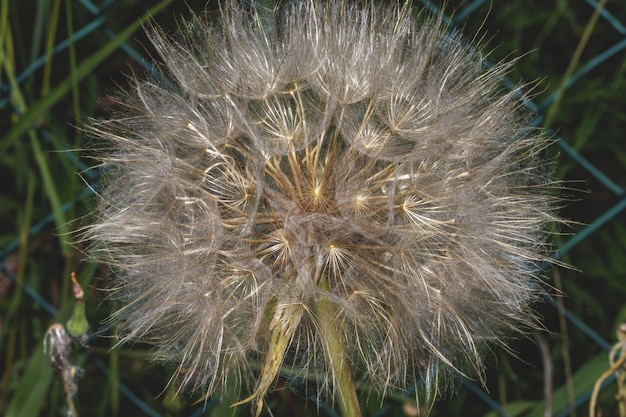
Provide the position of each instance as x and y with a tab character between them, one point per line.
337	177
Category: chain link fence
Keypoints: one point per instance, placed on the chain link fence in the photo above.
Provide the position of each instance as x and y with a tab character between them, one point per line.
57	57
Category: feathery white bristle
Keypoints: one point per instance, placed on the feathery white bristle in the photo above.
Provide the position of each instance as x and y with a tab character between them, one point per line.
345	153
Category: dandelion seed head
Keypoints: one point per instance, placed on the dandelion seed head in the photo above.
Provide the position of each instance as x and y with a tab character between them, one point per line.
336	153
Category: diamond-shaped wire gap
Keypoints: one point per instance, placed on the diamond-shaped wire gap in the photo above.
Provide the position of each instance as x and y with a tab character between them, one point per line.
136	56
591	168
143	406
40	62
98	23
53	311
608	16
584	397
595	225
584	70
579	324
34	295
480	393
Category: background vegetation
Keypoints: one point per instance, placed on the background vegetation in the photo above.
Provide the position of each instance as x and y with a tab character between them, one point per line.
50	86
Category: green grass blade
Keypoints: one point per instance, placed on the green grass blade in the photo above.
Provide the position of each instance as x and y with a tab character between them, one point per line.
85	68
72	50
583	381
53	195
52	30
30	395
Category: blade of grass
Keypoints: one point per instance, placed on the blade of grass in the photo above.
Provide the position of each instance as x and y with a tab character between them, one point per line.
30	395
583	381
7	47
4	29
565	349
72	50
53	21
9	326
63	229
44	169
86	67
39	26
584	39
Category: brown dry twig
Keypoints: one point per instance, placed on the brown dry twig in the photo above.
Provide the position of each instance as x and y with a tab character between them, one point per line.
616	367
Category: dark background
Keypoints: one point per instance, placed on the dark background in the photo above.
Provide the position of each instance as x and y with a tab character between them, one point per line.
43	153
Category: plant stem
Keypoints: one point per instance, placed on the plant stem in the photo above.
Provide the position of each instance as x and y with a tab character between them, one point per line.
551	113
345	393
70	401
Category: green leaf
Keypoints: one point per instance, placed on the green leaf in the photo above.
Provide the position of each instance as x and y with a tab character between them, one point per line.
583	382
514	409
30	396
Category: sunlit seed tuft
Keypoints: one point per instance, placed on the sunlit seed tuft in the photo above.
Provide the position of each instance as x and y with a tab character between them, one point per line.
338	177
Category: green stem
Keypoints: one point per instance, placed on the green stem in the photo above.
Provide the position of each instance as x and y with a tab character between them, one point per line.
551	113
344	385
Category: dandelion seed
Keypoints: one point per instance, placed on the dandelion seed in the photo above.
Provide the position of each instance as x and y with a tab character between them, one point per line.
338	190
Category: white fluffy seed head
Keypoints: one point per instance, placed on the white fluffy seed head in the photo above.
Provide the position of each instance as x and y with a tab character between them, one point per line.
339	143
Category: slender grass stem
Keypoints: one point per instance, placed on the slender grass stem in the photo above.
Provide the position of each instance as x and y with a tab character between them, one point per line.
51	36
86	67
552	111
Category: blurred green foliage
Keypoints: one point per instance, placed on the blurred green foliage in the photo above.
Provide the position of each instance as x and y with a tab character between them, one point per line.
43	152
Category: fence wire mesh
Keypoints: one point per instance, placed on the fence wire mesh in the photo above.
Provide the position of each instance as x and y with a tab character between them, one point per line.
57	57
